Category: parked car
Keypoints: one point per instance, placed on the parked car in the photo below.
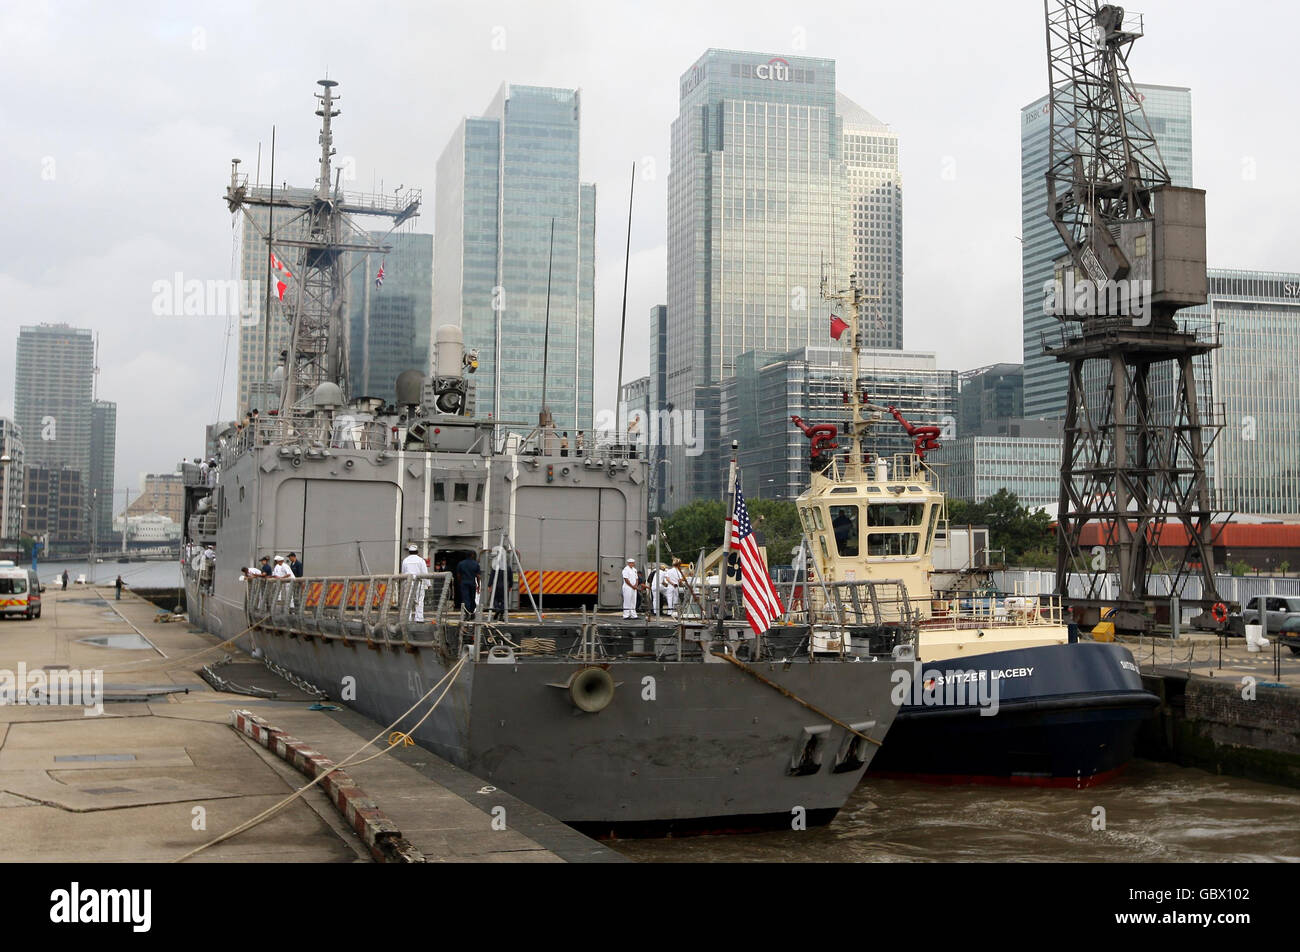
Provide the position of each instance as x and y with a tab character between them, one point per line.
1289	634
1280	608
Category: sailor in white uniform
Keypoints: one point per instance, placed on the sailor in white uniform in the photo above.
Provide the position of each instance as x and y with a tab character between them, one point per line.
672	581
282	571
630	582
414	565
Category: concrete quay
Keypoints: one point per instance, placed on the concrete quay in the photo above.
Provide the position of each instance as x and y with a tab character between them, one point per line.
161	771
1223	708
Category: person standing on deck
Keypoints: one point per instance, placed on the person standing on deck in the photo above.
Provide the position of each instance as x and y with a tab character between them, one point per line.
118	585
578	441
295	566
631	582
467	574
414	565
65	580
672	584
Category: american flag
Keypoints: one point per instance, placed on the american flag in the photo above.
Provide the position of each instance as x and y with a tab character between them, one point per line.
379	278
762	604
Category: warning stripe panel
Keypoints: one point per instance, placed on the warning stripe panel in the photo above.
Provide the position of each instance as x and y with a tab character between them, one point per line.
566	583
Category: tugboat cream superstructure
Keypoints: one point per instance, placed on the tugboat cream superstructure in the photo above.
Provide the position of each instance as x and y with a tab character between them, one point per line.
1062	712
613	726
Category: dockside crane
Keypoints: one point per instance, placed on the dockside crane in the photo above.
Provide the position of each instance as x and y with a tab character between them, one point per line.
1136	429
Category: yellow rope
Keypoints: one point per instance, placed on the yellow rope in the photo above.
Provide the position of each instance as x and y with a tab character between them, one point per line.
346	762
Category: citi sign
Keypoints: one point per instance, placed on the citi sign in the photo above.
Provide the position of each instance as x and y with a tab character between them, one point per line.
775	68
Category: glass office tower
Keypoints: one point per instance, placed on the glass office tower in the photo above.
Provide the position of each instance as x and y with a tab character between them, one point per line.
390	325
502	180
1169	112
1255	461
757	214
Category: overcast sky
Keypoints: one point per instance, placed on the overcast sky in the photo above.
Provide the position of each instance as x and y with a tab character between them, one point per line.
118	122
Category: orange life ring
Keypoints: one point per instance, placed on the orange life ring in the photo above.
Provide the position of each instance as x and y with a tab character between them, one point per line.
1219	612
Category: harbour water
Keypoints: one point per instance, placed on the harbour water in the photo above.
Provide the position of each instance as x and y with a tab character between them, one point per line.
162	574
1153	813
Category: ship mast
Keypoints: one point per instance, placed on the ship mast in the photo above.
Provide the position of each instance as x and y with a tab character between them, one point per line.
852	299
313	235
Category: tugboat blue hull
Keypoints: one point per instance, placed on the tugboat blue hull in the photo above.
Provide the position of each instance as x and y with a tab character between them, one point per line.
1065	716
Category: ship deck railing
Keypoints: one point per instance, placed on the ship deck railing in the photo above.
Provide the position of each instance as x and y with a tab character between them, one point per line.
310	431
877	604
994	610
379	609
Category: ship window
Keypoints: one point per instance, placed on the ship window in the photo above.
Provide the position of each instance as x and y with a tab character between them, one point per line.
478	492
885	544
825	554
929	533
439	494
820	524
895	514
460	492
844	520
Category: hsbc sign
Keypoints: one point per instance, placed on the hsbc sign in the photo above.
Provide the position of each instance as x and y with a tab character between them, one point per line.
774	69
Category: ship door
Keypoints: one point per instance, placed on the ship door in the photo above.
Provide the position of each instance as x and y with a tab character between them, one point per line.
611	582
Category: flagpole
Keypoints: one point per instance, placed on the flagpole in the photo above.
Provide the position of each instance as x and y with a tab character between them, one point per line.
726	538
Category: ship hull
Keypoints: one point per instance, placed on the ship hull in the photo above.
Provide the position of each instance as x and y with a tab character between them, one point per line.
688	747
1066	716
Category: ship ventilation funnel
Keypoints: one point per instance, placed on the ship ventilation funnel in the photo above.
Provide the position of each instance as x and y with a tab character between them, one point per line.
410	388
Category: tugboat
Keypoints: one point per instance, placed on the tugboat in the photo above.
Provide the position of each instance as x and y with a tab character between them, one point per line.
616	726
1003	690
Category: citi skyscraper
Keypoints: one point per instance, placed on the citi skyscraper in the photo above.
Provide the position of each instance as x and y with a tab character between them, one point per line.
757	213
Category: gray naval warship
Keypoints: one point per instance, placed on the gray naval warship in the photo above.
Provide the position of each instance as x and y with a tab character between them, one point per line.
616	726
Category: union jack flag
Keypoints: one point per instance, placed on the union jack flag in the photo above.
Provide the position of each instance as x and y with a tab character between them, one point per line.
379	278
762	604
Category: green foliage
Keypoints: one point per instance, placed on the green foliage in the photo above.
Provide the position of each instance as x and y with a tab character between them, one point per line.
1027	537
700	525
778	526
696	526
1239	568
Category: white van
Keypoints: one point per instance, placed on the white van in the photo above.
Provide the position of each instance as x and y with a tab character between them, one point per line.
20	592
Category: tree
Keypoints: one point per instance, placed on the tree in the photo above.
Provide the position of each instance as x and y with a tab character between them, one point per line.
1025	536
701	524
698	525
778	526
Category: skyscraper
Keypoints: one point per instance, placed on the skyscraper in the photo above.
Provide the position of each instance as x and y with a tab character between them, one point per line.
391	324
12	478
1255	460
259	350
1168	109
875	187
103	456
53	386
503	181
757	214
53	391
